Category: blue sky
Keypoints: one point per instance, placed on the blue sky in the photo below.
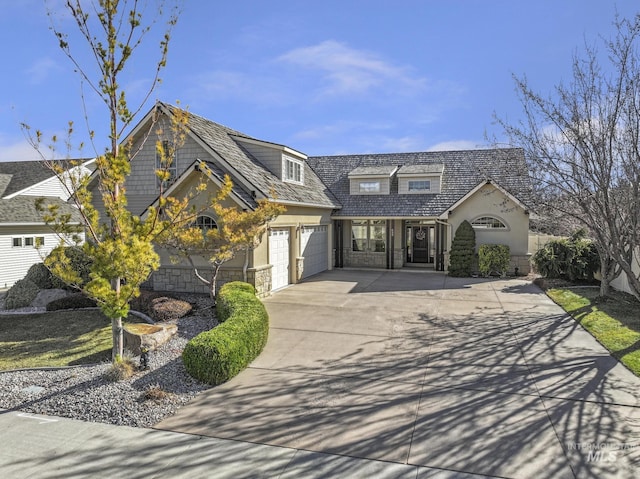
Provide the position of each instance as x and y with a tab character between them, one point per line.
323	77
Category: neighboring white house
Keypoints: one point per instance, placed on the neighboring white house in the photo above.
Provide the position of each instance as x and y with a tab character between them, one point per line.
621	283
24	237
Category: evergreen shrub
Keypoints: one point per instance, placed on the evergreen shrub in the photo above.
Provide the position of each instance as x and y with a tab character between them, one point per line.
217	355
40	275
73	301
493	258
462	253
574	258
21	294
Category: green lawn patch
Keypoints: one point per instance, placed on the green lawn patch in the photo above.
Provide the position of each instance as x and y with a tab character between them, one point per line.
60	338
615	323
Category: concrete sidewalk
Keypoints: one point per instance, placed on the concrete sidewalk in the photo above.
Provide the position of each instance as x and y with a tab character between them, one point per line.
385	375
41	447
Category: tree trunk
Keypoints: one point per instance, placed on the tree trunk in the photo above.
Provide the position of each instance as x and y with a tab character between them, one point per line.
213	284
118	339
245	266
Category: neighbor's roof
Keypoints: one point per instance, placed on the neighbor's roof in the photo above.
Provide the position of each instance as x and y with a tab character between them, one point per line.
462	172
221	140
25	174
22	210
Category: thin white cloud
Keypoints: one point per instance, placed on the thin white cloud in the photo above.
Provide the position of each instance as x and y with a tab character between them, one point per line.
454	145
42	69
17	151
350	71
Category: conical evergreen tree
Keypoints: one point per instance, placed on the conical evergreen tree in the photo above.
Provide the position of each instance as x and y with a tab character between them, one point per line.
462	250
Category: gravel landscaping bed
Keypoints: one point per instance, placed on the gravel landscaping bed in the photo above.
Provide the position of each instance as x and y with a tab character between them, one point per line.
85	393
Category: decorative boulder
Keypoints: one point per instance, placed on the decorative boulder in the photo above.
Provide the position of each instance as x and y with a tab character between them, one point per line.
150	336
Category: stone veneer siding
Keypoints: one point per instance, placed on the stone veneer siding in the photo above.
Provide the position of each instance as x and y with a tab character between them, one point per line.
364	259
182	279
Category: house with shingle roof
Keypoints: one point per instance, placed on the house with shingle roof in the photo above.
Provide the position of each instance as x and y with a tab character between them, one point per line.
392	211
24	237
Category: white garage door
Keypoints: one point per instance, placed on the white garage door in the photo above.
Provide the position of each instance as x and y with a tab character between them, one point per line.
315	249
279	257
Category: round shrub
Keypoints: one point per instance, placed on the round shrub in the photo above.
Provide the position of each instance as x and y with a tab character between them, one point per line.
217	355
21	294
73	301
41	276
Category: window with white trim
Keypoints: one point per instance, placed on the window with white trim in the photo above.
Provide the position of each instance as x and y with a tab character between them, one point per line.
27	241
488	223
205	223
369	187
419	185
292	170
369	235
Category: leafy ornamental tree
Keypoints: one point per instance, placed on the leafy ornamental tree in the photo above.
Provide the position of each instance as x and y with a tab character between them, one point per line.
583	149
237	231
120	245
462	250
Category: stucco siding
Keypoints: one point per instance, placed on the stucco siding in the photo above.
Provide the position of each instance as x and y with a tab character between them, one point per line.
490	201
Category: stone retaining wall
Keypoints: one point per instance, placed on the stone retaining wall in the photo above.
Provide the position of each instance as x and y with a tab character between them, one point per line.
182	279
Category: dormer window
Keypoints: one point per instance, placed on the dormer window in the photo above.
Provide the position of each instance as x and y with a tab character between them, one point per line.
420	179
419	185
369	187
292	170
371	180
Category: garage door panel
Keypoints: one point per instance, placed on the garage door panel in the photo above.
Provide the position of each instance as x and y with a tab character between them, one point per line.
314	249
279	257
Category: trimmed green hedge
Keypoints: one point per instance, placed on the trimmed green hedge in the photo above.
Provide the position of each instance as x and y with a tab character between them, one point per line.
493	258
217	355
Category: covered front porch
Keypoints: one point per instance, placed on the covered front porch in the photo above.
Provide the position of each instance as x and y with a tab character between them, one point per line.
391	243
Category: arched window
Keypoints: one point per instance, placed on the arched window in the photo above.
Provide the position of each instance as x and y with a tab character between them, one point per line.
205	223
488	223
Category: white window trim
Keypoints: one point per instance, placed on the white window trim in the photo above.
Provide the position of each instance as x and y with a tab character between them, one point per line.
36	241
370	188
505	226
418	180
299	165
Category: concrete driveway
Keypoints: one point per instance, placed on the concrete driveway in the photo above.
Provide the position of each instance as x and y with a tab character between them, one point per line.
449	375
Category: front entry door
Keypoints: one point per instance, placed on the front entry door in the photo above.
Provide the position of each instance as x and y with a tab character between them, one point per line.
421	242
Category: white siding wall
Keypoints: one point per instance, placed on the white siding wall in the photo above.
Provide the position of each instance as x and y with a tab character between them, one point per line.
621	283
16	261
52	187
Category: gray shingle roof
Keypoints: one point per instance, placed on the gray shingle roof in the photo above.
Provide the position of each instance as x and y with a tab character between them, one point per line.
463	171
435	168
373	170
220	139
23	174
26	173
22	209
